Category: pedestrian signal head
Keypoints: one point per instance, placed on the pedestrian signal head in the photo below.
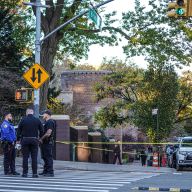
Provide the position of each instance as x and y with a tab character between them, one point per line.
24	95
21	95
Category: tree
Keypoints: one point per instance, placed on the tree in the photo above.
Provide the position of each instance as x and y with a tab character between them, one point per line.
150	33
74	39
121	86
136	92
159	90
13	60
184	98
147	32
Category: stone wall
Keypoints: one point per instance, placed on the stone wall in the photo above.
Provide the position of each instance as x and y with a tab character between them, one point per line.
77	89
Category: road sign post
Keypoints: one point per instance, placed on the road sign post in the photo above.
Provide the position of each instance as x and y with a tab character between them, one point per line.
37	53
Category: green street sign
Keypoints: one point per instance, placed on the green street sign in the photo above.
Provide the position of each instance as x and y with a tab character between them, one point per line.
94	17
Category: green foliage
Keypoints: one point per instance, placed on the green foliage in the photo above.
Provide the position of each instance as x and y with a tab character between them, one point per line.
150	33
134	93
159	90
12	60
184	98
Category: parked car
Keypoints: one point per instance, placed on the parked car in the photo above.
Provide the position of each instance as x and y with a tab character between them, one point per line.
182	156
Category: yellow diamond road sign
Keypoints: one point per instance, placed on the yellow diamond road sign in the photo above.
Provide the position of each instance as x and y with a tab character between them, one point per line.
36	76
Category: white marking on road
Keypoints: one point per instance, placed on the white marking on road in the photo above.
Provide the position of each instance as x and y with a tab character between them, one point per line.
61	182
19	190
53	185
67	180
50	188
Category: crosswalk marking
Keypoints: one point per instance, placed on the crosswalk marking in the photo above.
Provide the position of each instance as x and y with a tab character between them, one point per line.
56	185
77	182
72	181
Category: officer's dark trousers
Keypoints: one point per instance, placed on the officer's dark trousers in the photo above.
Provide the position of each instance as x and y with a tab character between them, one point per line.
29	148
117	156
143	160
47	156
9	157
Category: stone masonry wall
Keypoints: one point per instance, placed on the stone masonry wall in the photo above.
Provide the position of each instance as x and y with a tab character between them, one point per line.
81	83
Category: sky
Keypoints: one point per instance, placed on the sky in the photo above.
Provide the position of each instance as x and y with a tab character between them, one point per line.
97	52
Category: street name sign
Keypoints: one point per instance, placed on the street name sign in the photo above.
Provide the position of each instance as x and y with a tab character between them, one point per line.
93	15
36	76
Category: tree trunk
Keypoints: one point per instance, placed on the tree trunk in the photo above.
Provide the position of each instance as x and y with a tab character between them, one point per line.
48	52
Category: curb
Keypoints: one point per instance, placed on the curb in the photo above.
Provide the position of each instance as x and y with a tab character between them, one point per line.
161	189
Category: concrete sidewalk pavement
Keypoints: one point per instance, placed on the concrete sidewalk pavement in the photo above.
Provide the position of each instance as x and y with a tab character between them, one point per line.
70	165
131	167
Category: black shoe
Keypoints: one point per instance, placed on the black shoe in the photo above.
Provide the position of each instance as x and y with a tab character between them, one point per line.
35	176
15	173
24	175
49	175
42	173
8	173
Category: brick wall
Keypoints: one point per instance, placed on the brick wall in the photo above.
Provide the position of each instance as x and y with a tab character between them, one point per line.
81	84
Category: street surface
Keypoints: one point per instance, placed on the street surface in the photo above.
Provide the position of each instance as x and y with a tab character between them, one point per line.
134	175
85	181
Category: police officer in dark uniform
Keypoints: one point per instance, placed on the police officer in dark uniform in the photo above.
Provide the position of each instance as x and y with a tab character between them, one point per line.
117	154
8	137
29	130
47	144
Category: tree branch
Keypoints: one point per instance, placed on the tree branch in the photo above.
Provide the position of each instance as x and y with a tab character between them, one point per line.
98	30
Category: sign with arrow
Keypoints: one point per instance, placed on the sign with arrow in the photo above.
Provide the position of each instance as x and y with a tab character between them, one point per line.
36	76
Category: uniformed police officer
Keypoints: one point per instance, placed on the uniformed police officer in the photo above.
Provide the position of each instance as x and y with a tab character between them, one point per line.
8	137
47	144
29	130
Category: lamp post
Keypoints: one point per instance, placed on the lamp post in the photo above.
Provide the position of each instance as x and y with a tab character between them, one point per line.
155	112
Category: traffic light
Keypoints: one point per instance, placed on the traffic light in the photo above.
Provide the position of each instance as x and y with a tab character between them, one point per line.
180	8
24	95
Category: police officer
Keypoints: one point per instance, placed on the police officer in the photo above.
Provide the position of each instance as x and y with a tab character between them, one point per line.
47	144
29	130
8	137
117	154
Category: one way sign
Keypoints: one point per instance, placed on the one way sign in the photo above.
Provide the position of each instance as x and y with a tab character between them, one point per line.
36	76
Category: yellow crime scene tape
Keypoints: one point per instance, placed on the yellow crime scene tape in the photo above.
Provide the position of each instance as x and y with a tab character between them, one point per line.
118	143
113	143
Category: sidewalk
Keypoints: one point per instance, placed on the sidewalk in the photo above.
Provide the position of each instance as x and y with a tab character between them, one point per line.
70	165
131	167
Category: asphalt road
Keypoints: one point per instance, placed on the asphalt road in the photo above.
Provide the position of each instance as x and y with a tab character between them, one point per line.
95	181
182	180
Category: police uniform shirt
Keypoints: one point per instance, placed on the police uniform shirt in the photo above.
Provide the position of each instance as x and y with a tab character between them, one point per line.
7	132
50	124
30	126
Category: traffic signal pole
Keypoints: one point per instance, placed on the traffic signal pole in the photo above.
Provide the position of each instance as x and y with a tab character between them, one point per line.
38	40
37	54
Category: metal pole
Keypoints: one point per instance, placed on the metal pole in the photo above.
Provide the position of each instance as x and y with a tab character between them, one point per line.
121	143
159	163
37	53
158	125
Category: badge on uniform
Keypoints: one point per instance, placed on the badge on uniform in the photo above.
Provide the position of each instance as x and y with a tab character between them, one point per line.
5	126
